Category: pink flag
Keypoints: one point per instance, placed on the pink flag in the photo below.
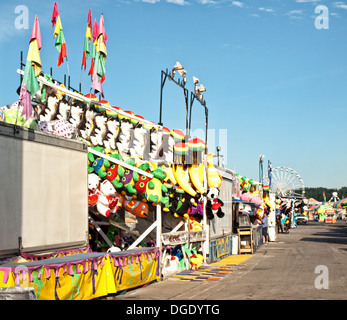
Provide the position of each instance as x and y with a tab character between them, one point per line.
96	84
25	102
35	33
90	20
102	28
95	31
55	14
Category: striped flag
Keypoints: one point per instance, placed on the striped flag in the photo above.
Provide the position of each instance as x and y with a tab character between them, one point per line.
88	37
99	54
33	67
59	35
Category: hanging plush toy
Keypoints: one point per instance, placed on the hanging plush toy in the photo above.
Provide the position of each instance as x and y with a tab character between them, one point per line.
155	187
111	134
127	178
214	179
136	207
124	137
141	184
76	112
107	201
138	142
93	185
98	165
214	204
99	131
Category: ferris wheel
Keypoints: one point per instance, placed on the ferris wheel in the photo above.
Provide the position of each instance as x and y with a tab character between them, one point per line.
285	182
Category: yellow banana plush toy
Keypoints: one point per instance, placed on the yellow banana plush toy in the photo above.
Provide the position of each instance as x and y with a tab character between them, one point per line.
196	174
180	176
214	179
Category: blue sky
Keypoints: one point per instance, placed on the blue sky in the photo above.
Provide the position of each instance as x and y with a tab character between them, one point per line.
275	84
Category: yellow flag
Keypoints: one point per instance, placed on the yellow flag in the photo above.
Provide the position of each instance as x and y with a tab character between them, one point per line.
34	56
58	27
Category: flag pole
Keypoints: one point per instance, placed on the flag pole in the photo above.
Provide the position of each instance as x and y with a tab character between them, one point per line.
80	87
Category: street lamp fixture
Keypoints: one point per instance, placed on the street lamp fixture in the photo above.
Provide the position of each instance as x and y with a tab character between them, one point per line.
180	82
197	95
218	149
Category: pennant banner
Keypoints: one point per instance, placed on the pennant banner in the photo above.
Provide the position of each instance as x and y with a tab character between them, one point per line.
59	35
30	85
87	40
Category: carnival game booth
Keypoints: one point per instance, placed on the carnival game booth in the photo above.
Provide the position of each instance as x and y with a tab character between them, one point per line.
93	191
132	178
44	222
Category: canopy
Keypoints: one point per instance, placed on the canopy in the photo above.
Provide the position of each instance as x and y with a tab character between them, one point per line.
340	203
324	207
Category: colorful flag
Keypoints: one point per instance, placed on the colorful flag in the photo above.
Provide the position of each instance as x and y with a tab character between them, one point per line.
99	55
95	37
33	67
58	32
88	37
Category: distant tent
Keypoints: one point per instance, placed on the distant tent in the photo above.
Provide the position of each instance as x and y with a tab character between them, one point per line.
313	201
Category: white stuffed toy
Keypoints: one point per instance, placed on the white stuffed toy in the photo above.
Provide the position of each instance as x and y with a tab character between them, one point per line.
63	110
111	134
50	108
76	112
93	188
124	137
154	144
86	128
96	137
107	200
93	182
139	142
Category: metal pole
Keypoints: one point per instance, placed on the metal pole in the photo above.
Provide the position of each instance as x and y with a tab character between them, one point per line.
162	82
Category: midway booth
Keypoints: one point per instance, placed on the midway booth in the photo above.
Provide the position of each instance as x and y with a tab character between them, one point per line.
74	221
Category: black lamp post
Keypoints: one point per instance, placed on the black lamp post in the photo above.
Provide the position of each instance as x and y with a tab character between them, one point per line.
179	82
194	96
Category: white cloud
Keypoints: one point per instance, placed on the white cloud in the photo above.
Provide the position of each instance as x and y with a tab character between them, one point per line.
151	1
237	4
302	1
207	2
179	2
266	9
340	5
294	14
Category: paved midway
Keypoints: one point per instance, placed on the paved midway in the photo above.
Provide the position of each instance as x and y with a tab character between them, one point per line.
307	264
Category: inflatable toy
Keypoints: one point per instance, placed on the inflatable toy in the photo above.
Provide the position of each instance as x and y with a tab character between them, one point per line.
196	174
181	178
99	166
136	207
214	179
127	178
155	187
170	175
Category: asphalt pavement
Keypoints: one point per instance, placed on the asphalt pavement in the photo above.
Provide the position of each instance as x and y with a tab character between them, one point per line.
309	263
